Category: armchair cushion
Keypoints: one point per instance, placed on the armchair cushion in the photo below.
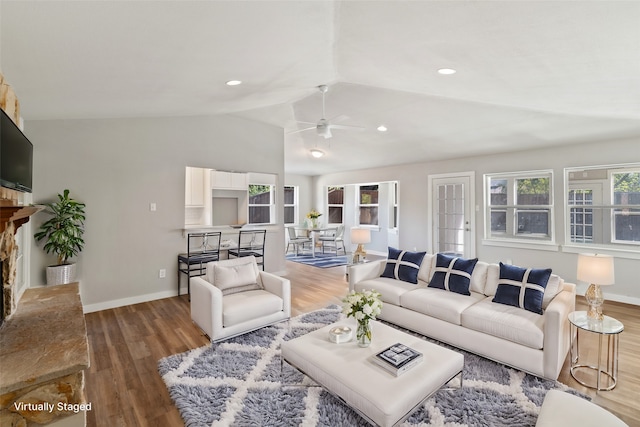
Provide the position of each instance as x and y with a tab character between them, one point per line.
243	306
236	278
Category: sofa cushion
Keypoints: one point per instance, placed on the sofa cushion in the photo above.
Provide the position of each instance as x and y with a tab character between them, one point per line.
493	276
453	274
231	279
244	306
554	286
403	265
390	289
438	303
505	321
426	268
522	287
479	277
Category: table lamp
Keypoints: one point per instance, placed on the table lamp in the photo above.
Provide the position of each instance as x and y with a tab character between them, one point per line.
596	269
360	236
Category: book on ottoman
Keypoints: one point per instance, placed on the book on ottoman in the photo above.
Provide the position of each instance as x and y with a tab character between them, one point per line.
398	358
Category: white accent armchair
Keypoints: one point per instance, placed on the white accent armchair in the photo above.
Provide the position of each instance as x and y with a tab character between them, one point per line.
236	297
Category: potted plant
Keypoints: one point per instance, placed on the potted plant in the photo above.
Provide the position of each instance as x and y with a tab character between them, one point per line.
63	235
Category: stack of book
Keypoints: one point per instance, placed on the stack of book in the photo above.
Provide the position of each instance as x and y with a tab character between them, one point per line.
398	358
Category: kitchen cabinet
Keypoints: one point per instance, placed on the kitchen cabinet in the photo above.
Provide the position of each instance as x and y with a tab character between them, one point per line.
229	181
195	187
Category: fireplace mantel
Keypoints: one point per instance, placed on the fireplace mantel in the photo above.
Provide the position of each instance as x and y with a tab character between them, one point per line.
18	214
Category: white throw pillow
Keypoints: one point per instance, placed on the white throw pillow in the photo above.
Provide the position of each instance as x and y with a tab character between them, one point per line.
554	286
236	278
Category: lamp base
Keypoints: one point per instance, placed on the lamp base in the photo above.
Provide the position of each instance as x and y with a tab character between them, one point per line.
595	299
359	254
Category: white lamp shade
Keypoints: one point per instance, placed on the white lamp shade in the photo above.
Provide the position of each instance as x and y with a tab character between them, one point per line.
360	235
596	269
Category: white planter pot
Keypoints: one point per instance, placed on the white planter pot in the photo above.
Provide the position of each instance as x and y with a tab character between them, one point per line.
61	274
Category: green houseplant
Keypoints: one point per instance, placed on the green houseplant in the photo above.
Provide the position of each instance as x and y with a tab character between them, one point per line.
63	236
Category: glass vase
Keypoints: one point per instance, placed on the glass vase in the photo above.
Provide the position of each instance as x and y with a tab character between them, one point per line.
363	333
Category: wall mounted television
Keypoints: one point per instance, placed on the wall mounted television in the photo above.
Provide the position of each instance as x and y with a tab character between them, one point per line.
16	156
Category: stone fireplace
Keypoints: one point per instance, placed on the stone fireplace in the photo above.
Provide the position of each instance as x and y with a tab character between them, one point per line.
43	341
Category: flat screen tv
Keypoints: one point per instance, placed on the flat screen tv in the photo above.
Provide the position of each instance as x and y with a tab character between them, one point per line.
16	156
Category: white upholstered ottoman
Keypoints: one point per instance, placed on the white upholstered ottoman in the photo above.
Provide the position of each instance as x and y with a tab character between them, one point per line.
566	410
346	371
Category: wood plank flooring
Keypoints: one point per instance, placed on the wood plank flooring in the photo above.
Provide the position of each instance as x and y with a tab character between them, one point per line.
126	343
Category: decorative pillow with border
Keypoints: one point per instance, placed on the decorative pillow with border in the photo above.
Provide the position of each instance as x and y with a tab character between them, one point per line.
453	274
403	265
522	287
236	278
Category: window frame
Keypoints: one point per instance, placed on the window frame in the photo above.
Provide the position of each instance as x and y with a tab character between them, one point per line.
295	205
512	208
335	205
360	205
271	204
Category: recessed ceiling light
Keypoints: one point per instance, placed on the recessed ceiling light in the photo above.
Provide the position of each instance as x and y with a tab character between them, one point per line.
317	153
234	82
446	71
382	128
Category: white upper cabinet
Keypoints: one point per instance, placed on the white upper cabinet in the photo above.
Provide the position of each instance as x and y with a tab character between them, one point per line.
228	181
195	187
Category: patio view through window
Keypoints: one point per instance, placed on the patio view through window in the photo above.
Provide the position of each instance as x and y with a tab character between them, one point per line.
520	205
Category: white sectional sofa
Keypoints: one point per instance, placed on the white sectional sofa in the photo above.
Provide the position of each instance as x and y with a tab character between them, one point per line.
534	343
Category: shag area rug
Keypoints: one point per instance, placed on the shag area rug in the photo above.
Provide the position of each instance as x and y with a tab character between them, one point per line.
320	260
239	382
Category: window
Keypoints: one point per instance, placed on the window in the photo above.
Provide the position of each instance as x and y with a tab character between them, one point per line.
519	206
626	203
394	221
368	204
261	204
603	205
335	204
290	204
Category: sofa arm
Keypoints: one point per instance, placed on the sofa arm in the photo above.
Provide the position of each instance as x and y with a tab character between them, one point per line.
365	271
206	306
278	286
556	330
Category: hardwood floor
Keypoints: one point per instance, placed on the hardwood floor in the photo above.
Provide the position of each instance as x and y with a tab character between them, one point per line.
126	343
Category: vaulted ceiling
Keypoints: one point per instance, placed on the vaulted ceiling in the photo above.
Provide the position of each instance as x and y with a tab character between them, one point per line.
529	73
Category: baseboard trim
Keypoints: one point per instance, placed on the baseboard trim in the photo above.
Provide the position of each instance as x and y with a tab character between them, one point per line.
106	305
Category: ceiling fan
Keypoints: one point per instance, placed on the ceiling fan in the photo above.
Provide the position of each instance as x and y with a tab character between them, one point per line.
324	126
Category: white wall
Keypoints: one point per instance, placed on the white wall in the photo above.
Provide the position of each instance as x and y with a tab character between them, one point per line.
414	230
118	167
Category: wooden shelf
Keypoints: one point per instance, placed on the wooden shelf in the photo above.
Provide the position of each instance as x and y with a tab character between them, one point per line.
16	214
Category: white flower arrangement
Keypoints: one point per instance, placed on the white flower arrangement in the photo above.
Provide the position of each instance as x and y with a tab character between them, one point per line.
363	306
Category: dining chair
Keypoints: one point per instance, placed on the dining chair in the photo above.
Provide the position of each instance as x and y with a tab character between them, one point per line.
250	243
201	249
333	239
296	240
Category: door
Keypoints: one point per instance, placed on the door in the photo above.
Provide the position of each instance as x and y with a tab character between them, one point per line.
452	221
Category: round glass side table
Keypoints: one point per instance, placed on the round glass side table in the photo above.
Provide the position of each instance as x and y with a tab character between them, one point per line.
606	371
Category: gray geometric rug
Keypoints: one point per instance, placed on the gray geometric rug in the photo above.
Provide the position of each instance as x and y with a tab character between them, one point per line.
239	383
319	260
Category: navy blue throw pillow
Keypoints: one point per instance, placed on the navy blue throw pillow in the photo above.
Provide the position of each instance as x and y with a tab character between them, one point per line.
403	265
522	287
453	274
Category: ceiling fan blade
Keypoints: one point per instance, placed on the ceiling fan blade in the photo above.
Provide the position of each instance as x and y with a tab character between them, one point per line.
306	123
300	130
345	127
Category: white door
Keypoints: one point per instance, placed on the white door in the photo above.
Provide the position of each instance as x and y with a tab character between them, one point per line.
451	214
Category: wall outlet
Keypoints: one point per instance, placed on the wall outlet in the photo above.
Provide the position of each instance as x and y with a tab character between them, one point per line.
162	273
